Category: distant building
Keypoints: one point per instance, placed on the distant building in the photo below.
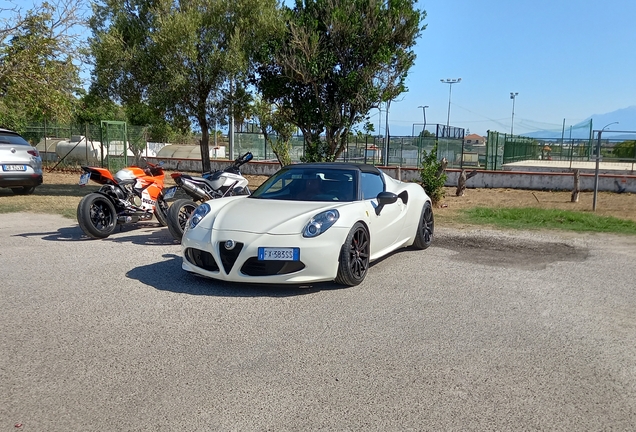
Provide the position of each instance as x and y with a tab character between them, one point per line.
475	140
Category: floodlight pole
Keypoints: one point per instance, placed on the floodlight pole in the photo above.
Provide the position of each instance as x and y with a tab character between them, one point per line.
513	96
598	160
423	115
450	82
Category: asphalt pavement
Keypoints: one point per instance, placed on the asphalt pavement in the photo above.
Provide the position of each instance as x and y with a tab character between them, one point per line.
485	330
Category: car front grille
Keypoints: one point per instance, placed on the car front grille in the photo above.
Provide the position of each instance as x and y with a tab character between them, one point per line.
229	256
254	267
201	259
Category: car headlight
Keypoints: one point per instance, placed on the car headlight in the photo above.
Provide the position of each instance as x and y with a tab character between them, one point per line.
320	223
198	214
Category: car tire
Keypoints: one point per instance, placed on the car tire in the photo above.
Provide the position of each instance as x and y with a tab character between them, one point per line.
178	215
354	257
161	210
96	216
425	228
25	190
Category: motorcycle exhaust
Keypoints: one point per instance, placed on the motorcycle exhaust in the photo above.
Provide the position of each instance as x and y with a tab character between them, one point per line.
194	190
127	219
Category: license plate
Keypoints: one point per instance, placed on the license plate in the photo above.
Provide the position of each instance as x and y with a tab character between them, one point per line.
14	167
84	178
169	193
278	254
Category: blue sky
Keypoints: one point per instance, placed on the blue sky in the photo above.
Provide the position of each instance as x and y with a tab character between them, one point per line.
567	60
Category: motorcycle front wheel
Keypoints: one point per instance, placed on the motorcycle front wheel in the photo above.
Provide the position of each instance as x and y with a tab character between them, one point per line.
178	215
96	216
161	210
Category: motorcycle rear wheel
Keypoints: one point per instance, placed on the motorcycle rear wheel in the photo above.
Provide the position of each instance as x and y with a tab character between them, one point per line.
161	210
96	216
178	215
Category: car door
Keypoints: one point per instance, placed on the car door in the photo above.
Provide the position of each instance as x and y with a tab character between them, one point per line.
385	227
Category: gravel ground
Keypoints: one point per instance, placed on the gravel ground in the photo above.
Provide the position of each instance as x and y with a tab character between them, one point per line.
486	330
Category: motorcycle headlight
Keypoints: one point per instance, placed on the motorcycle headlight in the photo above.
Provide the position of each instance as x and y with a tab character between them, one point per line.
320	223
198	214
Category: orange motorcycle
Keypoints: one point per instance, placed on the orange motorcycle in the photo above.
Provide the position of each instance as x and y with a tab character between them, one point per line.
133	194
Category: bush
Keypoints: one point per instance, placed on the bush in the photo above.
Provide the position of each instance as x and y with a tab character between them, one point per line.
433	175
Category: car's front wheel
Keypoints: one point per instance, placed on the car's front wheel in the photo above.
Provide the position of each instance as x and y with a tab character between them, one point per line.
425	228
354	257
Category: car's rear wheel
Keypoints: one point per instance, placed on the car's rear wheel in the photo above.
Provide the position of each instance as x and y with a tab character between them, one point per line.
96	216
354	257
25	190
425	228
178	215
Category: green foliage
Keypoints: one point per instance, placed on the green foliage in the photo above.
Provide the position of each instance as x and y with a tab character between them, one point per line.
276	129
432	175
336	60
625	150
186	60
92	109
535	218
38	77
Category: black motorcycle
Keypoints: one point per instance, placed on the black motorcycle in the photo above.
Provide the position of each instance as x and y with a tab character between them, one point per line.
211	185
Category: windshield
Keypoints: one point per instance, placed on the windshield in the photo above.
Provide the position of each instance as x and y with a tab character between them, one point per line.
309	184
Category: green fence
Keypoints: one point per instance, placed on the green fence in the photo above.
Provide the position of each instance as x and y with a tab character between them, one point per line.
109	144
402	151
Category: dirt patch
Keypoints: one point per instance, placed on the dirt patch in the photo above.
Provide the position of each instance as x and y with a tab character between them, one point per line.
509	252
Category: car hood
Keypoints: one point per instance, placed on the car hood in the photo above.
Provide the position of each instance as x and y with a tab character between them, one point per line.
261	216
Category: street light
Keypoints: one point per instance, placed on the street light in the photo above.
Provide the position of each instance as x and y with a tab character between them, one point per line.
513	96
450	82
424	115
598	160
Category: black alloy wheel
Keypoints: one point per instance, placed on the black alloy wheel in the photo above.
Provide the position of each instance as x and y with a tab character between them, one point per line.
178	215
354	257
425	228
96	216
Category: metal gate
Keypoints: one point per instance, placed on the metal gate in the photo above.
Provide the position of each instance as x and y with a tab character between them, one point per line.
114	145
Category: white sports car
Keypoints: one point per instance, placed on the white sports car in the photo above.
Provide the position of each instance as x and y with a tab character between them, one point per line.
311	222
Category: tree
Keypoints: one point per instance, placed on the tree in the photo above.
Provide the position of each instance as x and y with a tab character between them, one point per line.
337	60
625	150
187	59
276	130
433	175
40	52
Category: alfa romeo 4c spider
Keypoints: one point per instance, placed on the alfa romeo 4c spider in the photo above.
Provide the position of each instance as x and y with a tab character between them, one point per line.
307	223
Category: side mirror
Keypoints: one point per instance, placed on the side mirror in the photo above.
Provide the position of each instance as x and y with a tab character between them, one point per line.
385	198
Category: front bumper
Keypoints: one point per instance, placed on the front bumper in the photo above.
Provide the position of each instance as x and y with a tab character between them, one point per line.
204	254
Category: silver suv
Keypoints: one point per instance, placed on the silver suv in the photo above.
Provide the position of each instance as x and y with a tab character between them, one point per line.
20	163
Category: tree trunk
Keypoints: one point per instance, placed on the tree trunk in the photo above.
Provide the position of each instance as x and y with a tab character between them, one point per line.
576	190
205	149
461	184
442	167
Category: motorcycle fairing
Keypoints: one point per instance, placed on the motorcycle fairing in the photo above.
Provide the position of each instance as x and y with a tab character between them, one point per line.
99	175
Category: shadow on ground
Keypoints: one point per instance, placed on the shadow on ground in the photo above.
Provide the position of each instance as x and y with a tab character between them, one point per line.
150	234
168	275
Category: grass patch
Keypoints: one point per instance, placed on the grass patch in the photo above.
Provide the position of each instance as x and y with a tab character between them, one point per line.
535	218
